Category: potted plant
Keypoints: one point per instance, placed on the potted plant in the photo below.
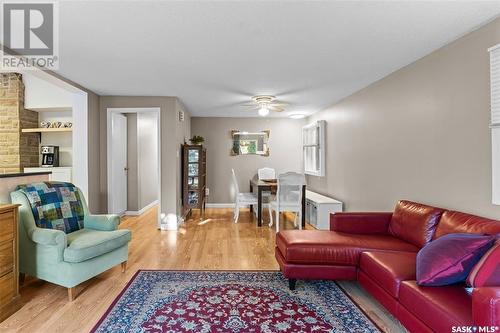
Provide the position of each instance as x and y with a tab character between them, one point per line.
197	140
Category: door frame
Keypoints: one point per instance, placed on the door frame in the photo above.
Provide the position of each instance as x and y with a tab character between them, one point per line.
109	113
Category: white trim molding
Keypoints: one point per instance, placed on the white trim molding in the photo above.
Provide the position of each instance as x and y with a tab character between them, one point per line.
143	210
491	49
220	205
495	122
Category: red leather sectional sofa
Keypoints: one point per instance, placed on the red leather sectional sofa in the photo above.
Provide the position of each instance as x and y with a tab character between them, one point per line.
379	250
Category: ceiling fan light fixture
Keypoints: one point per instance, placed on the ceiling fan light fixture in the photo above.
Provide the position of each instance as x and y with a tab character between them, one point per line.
263	111
297	115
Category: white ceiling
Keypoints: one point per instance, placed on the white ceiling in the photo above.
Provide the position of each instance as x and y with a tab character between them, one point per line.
215	55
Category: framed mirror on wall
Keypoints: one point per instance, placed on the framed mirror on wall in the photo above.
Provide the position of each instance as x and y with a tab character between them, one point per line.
250	143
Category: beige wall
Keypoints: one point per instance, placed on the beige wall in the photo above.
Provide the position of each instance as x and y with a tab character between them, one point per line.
147	154
284	144
420	134
169	133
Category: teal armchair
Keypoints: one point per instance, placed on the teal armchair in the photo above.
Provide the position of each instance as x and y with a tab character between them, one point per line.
69	259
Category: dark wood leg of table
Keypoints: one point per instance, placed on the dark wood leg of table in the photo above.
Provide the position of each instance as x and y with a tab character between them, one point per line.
259	206
251	191
303	207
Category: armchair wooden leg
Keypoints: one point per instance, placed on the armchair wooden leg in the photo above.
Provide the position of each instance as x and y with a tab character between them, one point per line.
71	294
124	266
22	276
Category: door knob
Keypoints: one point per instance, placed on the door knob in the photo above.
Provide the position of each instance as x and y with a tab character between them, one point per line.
125	169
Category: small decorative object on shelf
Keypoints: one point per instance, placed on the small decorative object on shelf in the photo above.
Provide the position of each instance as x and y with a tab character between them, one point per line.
194	173
55	124
197	140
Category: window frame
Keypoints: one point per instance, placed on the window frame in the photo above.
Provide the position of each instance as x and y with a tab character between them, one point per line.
320	126
494	53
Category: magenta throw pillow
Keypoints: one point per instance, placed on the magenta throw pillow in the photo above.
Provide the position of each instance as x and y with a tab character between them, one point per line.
449	259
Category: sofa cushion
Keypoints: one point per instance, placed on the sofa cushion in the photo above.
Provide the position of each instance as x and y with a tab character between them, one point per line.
456	222
85	244
439	308
389	269
486	273
414	223
330	247
450	259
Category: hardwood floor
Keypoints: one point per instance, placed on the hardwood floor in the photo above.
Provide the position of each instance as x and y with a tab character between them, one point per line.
214	243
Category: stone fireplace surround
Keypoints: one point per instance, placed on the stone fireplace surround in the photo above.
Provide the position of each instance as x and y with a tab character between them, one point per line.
17	150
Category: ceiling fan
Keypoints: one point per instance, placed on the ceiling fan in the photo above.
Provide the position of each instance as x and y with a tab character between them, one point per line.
265	104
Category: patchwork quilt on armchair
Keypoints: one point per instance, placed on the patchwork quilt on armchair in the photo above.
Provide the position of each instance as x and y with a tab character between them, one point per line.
55	205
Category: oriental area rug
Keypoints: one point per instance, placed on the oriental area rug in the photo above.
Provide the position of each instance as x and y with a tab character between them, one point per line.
230	301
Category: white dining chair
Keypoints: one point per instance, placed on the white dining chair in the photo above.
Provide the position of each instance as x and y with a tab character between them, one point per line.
266	173
288	198
242	198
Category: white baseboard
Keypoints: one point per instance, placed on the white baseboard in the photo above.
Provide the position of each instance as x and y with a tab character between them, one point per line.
142	211
220	205
224	205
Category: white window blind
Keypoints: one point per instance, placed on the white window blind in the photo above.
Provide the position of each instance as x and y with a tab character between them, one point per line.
495	122
313	145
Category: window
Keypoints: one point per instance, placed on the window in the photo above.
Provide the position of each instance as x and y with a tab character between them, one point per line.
495	122
313	145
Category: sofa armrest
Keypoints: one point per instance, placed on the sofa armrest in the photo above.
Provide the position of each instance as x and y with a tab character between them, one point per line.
486	306
48	237
102	222
360	223
51	242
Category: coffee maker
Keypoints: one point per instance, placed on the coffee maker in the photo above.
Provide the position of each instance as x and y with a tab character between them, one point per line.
50	156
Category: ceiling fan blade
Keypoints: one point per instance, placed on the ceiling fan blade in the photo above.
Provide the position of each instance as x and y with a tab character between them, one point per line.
249	104
279	104
276	108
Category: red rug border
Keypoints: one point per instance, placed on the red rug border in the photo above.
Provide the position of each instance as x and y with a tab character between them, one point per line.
110	307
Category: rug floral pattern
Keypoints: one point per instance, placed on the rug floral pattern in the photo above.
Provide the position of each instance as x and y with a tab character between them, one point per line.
196	301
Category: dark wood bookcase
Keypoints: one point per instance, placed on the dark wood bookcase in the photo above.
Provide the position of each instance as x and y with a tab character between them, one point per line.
194	178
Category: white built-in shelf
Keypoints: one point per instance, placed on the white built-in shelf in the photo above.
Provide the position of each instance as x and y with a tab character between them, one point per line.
46	130
50	109
319	208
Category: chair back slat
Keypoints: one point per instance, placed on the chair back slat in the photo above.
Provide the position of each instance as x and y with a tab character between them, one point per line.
290	187
235	182
266	173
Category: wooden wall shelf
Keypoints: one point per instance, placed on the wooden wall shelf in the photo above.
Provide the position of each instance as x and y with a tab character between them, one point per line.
46	130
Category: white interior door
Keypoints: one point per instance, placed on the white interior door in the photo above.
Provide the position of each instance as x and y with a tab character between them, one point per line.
118	163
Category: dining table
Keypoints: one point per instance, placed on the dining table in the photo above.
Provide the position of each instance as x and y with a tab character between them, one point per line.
271	186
